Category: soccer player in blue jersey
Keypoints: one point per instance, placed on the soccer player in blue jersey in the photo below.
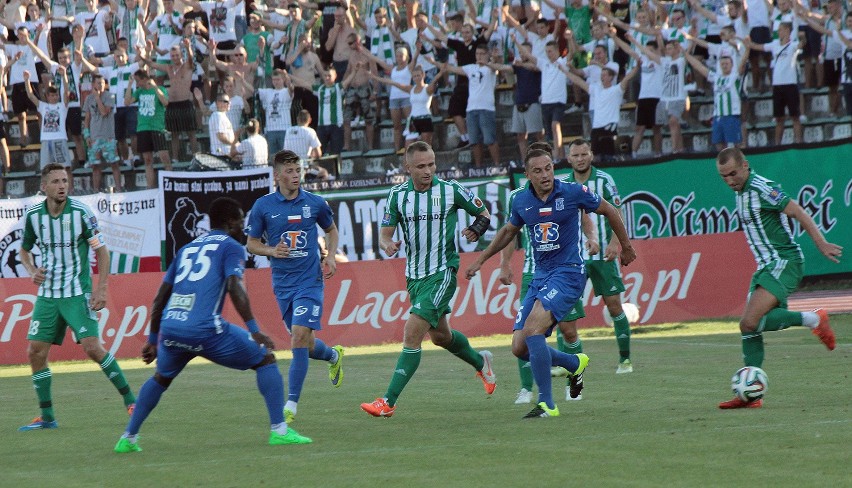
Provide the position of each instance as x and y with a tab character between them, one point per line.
550	209
287	221
186	322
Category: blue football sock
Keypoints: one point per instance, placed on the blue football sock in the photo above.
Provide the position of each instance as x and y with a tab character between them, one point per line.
321	351
298	371
540	365
146	401
567	361
271	386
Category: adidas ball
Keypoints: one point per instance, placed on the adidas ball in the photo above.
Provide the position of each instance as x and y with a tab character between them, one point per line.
630	310
749	383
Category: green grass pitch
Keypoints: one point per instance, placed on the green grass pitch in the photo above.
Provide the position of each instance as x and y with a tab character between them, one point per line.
658	426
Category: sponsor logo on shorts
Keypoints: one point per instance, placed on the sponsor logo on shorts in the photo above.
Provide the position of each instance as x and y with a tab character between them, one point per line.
300	311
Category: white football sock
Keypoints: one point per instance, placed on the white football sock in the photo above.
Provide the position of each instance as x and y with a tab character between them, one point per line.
810	320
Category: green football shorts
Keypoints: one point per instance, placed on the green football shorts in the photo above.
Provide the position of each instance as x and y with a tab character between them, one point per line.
779	277
605	276
430	296
51	316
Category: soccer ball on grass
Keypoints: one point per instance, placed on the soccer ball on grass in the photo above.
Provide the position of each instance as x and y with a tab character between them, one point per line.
749	383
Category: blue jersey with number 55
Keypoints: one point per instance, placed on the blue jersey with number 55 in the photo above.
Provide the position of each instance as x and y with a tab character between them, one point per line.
199	276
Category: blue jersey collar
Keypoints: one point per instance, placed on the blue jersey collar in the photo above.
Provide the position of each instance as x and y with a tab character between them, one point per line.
281	198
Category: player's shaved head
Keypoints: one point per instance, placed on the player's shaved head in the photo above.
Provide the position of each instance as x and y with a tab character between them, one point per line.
730	154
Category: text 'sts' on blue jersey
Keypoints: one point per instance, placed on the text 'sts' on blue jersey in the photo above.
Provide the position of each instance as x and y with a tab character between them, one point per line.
554	225
277	219
199	275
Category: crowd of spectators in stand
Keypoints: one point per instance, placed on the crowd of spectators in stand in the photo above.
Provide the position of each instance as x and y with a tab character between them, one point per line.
118	78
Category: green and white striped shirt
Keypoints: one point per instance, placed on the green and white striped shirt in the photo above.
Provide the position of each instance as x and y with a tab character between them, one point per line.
599	182
726	94
64	242
767	228
428	220
330	105
529	261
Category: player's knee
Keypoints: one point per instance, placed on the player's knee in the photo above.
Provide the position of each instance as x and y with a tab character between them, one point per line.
441	340
748	325
267	360
94	350
162	380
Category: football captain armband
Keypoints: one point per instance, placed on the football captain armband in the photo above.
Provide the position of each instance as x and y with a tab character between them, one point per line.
97	241
479	225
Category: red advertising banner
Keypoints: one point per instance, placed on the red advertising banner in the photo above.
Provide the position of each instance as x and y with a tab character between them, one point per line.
673	279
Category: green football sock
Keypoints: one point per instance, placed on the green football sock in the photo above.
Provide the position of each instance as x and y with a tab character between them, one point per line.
41	383
753	349
406	365
560	341
461	348
526	374
779	319
113	371
622	335
574	347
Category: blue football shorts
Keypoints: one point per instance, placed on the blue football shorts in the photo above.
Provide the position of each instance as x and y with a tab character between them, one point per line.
233	348
558	292
301	306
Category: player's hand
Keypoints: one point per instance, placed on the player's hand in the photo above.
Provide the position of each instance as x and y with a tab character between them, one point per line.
612	250
471	270
392	248
593	247
470	235
39	276
98	300
831	251
149	353
263	340
282	250
628	255
331	266
506	275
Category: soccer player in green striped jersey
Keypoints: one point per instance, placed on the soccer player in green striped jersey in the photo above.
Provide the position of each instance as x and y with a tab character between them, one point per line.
425	209
602	266
764	212
65	230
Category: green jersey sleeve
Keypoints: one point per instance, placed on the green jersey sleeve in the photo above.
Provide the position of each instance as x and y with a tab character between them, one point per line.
466	199
29	234
391	216
773	197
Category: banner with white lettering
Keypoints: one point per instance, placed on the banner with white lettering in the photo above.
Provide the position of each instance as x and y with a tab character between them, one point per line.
186	197
130	223
358	214
685	197
673	279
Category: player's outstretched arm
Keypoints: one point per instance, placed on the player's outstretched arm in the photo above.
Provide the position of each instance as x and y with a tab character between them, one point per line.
240	299
506	274
628	254
149	350
331	237
831	251
386	242
504	237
